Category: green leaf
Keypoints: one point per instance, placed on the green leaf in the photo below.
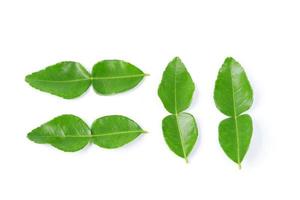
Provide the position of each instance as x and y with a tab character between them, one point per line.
176	88
180	133
114	131
176	91
234	137
66	132
233	94
65	79
115	76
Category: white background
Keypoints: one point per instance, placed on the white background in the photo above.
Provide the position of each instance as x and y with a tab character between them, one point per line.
264	36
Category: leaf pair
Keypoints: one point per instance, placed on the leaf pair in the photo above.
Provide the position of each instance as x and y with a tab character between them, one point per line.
70	79
70	133
176	91
233	95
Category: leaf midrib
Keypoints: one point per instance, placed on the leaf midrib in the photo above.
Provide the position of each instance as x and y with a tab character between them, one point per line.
88	79
235	121
180	136
92	136
119	77
176	114
60	81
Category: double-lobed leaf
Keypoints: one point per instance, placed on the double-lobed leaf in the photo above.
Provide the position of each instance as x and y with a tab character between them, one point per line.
233	95
70	79
176	91
70	133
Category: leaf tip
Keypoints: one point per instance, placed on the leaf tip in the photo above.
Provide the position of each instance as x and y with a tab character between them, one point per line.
230	60
27	78
176	59
30	136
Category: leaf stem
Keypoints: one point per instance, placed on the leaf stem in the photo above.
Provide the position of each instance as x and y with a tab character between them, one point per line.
240	166
186	160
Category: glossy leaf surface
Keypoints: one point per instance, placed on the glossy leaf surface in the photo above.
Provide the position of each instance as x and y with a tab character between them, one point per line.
235	136
114	131
180	133
66	132
115	76
233	94
176	88
65	79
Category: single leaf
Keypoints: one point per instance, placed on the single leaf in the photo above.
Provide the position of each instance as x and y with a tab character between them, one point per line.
234	136
180	133
233	94
66	132
114	131
176	88
115	76
65	79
